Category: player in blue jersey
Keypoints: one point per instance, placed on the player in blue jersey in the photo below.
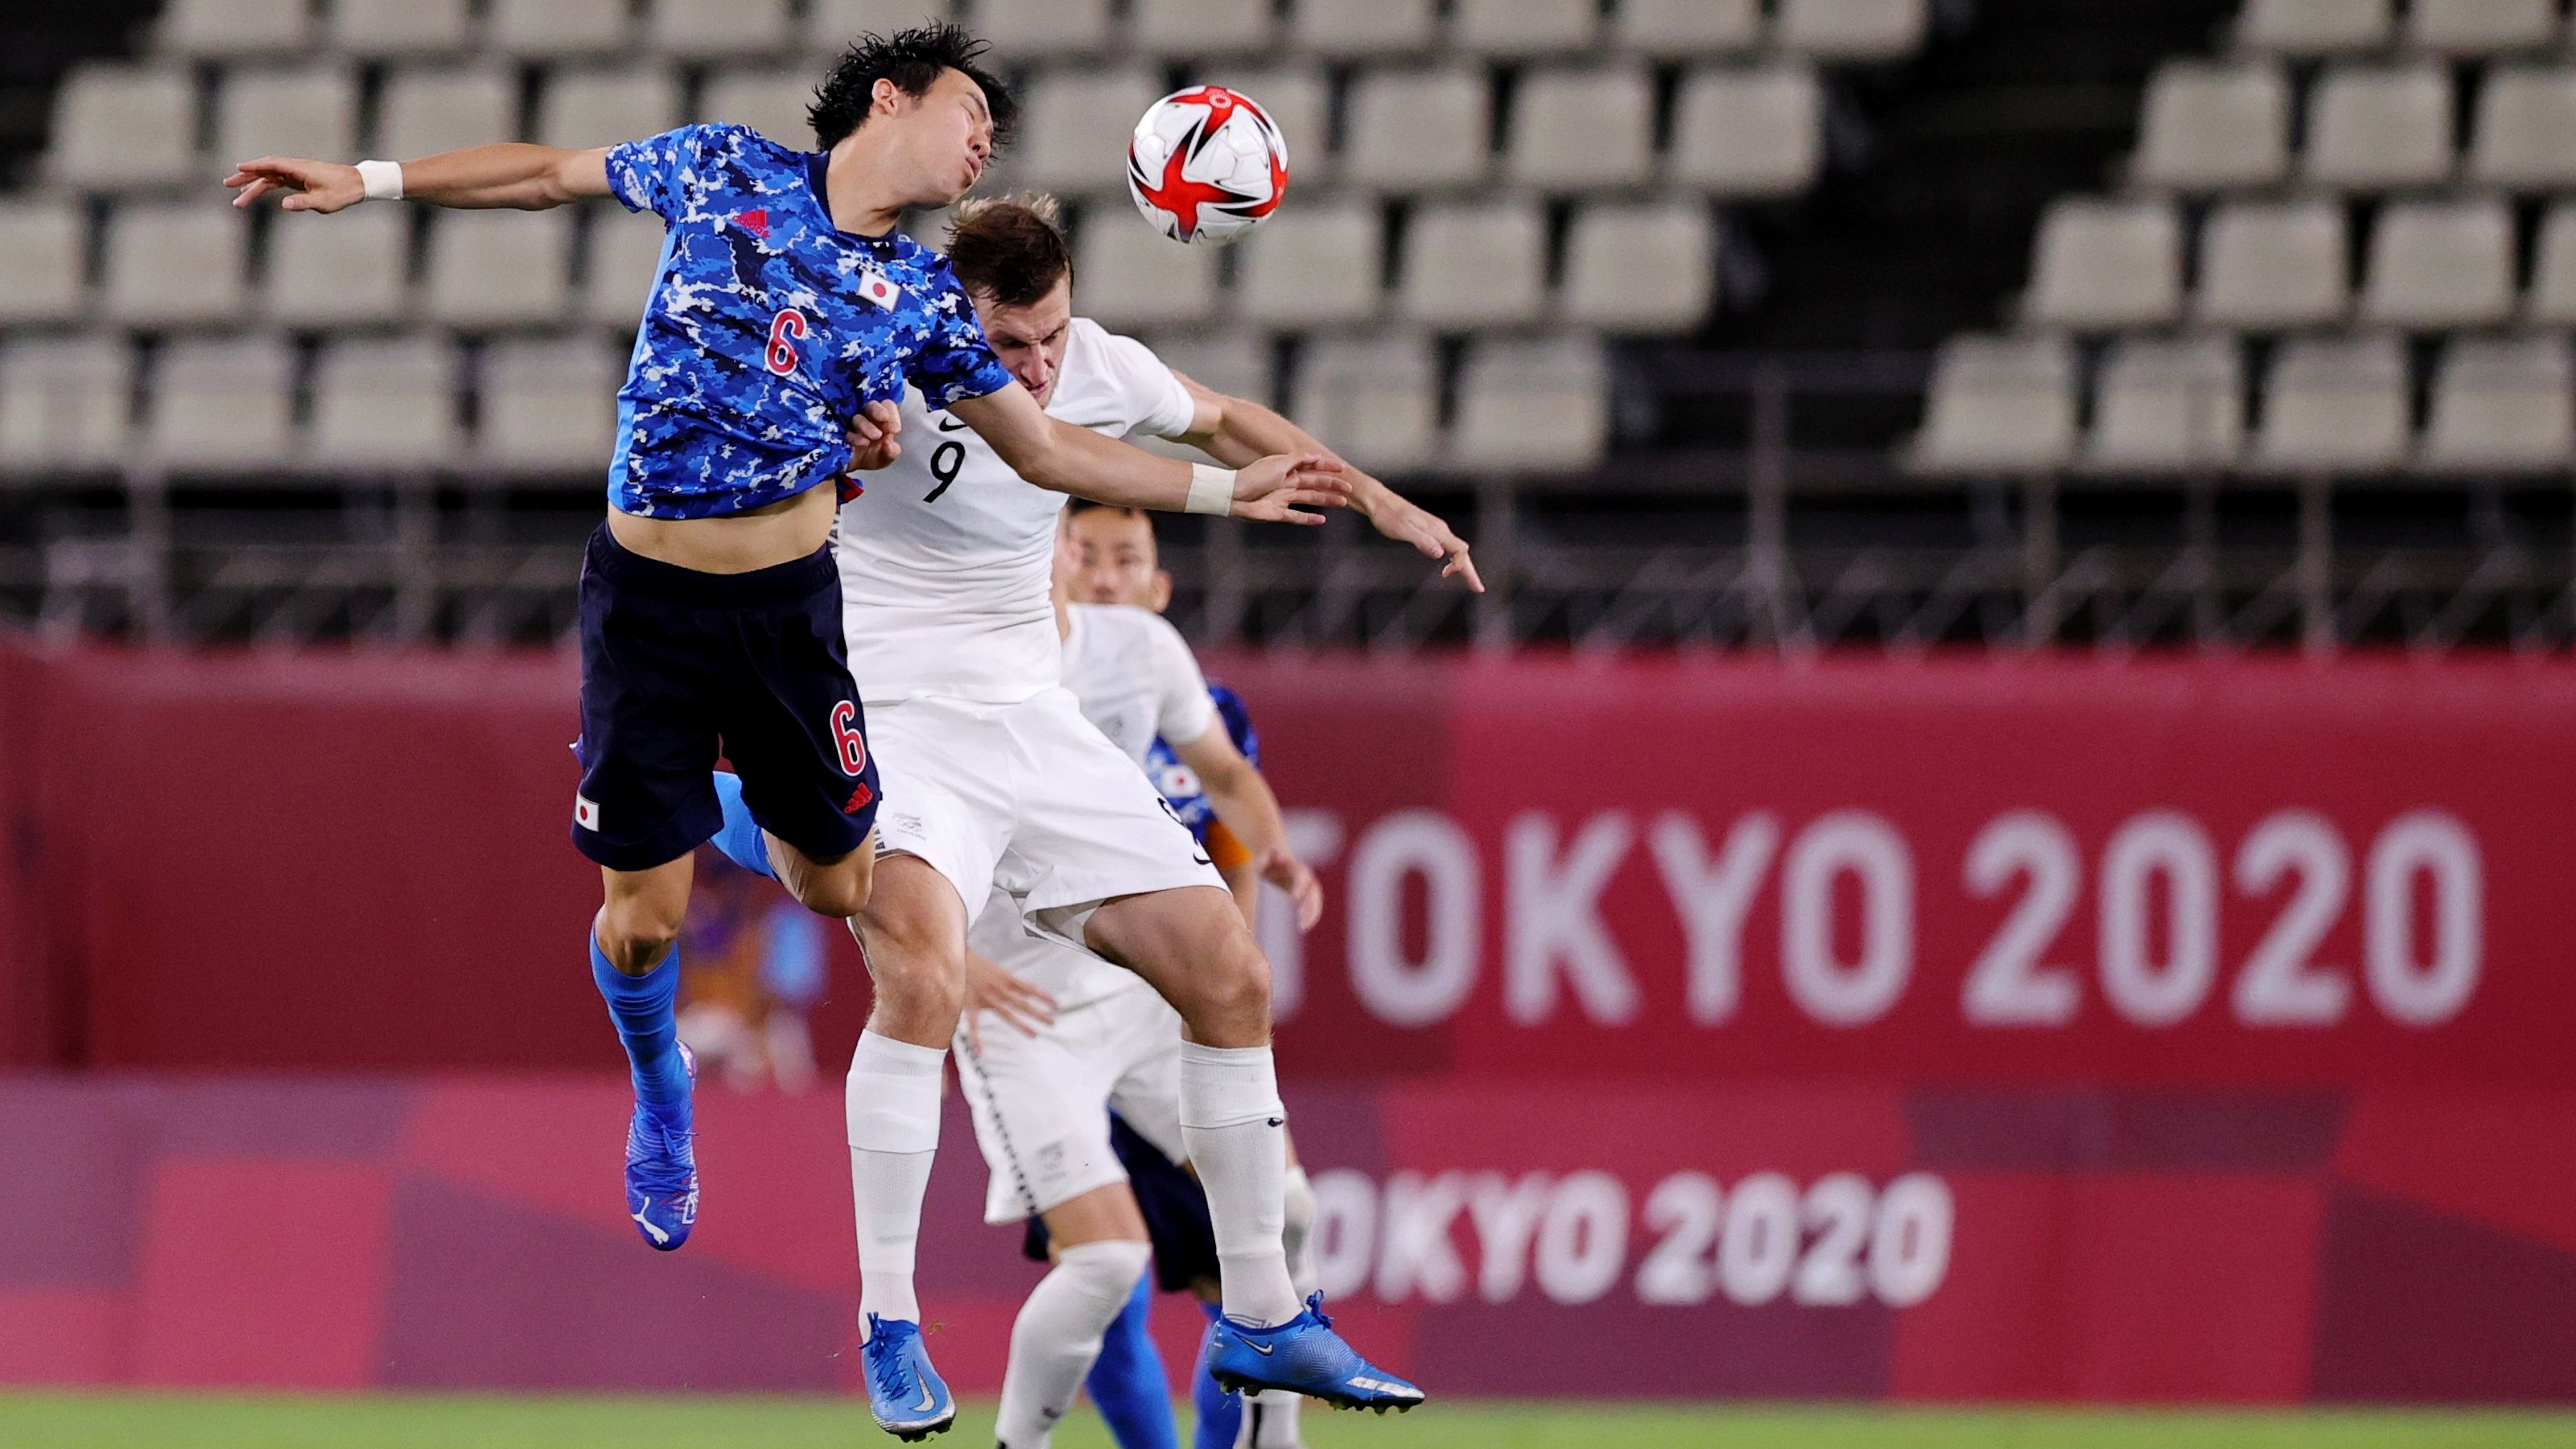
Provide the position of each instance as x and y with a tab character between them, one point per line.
788	315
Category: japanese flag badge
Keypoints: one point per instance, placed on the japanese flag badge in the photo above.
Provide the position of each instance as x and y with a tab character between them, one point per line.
874	287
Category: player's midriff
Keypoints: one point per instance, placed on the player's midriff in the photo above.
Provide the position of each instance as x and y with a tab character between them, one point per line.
734	543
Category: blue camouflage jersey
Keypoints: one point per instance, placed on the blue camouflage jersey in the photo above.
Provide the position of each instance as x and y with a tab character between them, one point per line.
1180	784
770	327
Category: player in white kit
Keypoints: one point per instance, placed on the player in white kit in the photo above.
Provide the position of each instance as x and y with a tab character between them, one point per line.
992	777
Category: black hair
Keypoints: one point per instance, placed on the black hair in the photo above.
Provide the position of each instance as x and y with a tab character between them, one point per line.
913	60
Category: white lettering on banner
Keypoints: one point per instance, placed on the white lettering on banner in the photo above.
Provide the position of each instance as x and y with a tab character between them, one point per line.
1909	1244
1418	1256
1316	836
1394	989
1712	901
2281	985
1758	1248
2431	843
1344	1240
1870	849
2009	985
1555	909
2160	843
1679	1269
1583	1241
1506	1215
1837	1214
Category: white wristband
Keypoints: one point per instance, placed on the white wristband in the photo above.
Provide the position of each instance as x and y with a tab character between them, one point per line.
1211	490
382	179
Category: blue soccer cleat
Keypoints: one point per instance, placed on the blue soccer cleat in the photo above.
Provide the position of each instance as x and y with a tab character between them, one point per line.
662	1167
1304	1356
904	1391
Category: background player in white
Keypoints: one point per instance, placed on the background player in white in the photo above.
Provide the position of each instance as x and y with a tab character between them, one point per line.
992	777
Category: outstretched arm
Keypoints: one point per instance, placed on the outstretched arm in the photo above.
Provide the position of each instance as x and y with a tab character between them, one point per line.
1230	429
513	175
1058	455
1242	799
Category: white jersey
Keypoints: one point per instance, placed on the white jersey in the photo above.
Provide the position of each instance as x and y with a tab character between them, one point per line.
947	556
1134	677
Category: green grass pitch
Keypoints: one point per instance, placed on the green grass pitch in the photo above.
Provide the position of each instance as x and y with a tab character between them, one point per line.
138	1421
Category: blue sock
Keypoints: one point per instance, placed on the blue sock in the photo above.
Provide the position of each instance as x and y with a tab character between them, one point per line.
644	1009
739	837
1127	1382
1220	1413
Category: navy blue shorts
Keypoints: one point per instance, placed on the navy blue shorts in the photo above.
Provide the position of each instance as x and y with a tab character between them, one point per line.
1175	1209
678	666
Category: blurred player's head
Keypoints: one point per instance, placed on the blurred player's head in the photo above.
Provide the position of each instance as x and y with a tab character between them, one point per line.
1010	255
925	94
1105	554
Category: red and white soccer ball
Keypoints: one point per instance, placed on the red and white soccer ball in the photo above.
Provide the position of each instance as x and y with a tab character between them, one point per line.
1206	164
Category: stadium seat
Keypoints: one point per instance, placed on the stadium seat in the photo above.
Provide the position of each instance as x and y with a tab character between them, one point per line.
1300	103
119	126
1532	406
2526	128
2374	128
1073	136
2106	264
1133	277
546	29
1684	28
1474	265
63	401
1749	133
2552	301
177	264
624	261
387	403
499	269
401	29
582	108
1409	128
2480	27
1234	362
1021	31
1315	265
2440	264
1523	27
1641	268
1376	402
2166	404
348	269
1852	29
223	405
2317	27
2268	264
717	29
549	406
773	102
1583	128
1359	29
309	112
424	112
2502	403
2209	127
1998	404
2335	405
1203	27
226	29
831	25
46	243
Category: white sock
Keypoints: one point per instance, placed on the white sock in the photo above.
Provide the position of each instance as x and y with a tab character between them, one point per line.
1057	1336
1270	1419
1232	1122
893	1107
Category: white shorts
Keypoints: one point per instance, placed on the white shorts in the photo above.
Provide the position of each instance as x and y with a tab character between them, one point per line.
1029	797
1041	1104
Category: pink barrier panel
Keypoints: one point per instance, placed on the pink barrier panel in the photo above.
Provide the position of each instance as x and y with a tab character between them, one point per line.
1683	1240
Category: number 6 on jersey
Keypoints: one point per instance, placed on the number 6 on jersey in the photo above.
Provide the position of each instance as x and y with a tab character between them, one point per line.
785	331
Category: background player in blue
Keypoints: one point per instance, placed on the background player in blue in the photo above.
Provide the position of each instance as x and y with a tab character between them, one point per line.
787	304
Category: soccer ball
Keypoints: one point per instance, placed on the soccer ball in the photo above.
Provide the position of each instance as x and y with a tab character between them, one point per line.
1206	164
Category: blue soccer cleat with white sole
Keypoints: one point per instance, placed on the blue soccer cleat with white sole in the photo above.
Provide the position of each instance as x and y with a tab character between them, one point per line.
662	1167
905	1393
1304	1356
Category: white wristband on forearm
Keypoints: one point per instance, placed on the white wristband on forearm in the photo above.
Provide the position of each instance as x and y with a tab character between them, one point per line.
382	179
1211	490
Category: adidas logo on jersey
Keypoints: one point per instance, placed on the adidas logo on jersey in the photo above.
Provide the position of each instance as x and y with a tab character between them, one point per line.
755	222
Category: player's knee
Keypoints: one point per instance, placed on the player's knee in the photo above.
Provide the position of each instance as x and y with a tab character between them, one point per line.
1237	988
840	890
635	934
